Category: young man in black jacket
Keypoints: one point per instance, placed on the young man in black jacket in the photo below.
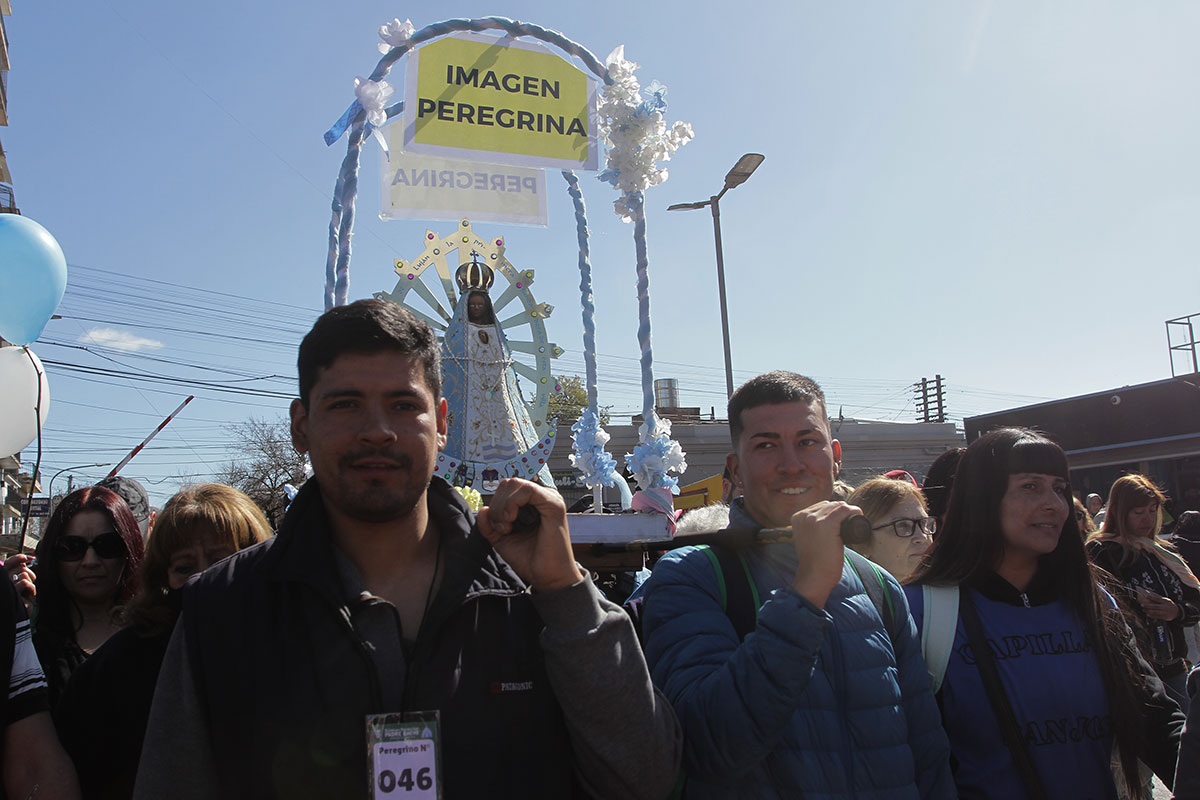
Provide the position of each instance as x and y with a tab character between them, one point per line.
382	594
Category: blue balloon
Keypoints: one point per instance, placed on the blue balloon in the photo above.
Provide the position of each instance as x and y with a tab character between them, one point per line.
33	277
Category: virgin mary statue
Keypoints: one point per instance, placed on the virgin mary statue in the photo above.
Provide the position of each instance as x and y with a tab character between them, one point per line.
489	427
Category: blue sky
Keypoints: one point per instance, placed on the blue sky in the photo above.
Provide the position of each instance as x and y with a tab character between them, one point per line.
1005	194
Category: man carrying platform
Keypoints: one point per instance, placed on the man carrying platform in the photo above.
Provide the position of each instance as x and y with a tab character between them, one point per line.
386	642
827	694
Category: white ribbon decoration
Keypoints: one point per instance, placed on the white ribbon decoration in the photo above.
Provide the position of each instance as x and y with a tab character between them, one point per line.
395	33
373	97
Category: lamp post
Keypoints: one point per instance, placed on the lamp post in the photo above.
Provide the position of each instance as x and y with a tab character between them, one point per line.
50	486
742	170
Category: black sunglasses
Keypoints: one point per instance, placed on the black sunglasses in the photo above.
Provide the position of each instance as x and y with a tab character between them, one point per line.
74	548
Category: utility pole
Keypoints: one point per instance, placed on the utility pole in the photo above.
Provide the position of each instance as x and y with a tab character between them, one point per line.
921	390
931	400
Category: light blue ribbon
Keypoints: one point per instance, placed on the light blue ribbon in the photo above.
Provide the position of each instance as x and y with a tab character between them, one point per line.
343	124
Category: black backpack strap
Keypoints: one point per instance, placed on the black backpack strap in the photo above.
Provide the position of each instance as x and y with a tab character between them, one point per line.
634	607
998	698
739	601
735	584
739	593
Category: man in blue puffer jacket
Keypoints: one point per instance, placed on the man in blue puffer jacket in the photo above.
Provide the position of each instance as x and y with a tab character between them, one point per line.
818	701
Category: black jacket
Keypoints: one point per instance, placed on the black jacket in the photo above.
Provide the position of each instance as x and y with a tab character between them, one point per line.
1186	538
60	656
101	717
1142	570
287	680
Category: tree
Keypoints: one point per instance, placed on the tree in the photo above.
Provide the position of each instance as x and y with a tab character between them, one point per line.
568	404
265	462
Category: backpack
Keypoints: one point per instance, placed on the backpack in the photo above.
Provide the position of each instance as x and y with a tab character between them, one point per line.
937	630
740	599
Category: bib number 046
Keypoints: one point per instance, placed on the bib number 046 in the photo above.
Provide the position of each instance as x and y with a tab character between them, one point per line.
406	781
404	754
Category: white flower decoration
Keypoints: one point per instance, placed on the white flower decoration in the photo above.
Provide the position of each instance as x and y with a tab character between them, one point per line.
373	97
631	122
655	455
395	33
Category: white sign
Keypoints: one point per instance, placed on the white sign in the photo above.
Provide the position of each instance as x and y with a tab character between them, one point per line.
406	769
430	187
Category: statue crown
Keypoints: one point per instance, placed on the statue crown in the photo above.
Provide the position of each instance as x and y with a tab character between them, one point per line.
474	275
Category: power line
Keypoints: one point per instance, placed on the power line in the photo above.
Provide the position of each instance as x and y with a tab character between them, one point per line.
214	386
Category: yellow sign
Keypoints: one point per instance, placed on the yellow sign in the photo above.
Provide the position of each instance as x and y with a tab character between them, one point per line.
699	494
499	100
428	187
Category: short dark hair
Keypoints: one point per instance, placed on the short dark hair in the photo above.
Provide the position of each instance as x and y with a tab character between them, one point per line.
771	388
366	327
940	479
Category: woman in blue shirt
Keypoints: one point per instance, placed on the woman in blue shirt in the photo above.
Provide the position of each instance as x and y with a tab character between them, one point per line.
1059	665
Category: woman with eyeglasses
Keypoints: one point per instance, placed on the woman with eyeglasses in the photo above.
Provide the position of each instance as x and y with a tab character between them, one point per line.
1040	684
86	570
101	718
901	528
1162	592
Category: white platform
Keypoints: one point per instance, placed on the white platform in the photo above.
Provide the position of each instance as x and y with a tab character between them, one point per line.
616	528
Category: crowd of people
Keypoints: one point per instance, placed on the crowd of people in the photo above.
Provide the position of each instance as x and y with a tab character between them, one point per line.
995	636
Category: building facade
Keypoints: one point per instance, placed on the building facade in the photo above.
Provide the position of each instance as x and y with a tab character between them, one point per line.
1151	429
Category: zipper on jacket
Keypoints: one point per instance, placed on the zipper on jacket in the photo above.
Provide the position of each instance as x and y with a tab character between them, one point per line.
1025	600
417	646
364	650
408	671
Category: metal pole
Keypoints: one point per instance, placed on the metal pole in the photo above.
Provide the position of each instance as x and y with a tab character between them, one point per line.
50	487
1192	341
153	433
715	203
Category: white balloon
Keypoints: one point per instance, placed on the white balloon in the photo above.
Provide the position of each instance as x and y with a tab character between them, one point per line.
19	381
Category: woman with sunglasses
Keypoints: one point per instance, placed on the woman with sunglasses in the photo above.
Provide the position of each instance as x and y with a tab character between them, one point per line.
901	528
1162	593
102	716
1037	676
87	569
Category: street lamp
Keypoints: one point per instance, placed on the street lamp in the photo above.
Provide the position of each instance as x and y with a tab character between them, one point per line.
50	487
742	170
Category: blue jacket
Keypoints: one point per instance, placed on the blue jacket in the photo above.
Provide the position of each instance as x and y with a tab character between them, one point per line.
815	703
